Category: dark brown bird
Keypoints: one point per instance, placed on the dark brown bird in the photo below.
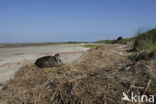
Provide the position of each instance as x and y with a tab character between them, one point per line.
48	61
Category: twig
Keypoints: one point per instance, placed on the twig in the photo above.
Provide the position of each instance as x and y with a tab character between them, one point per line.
146	87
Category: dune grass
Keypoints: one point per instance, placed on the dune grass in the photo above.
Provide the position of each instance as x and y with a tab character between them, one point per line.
145	41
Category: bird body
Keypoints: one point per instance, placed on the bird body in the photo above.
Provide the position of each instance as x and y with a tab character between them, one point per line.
48	61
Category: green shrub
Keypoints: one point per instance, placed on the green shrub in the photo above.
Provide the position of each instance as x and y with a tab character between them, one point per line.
145	41
119	38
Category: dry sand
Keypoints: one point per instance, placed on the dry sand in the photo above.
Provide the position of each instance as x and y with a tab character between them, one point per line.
11	59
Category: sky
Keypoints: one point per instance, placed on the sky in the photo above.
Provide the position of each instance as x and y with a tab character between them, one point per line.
73	20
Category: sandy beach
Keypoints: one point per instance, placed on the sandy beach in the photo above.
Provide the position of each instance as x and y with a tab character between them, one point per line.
12	58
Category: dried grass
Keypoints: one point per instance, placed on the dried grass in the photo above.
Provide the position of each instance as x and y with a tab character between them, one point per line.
106	75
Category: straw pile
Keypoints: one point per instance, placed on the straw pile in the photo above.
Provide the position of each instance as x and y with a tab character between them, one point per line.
101	81
102	56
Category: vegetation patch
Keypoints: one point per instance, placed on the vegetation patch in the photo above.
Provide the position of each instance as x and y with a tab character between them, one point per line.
119	40
145	41
89	45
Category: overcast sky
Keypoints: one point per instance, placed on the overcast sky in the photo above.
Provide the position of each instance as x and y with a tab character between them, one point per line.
73	20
